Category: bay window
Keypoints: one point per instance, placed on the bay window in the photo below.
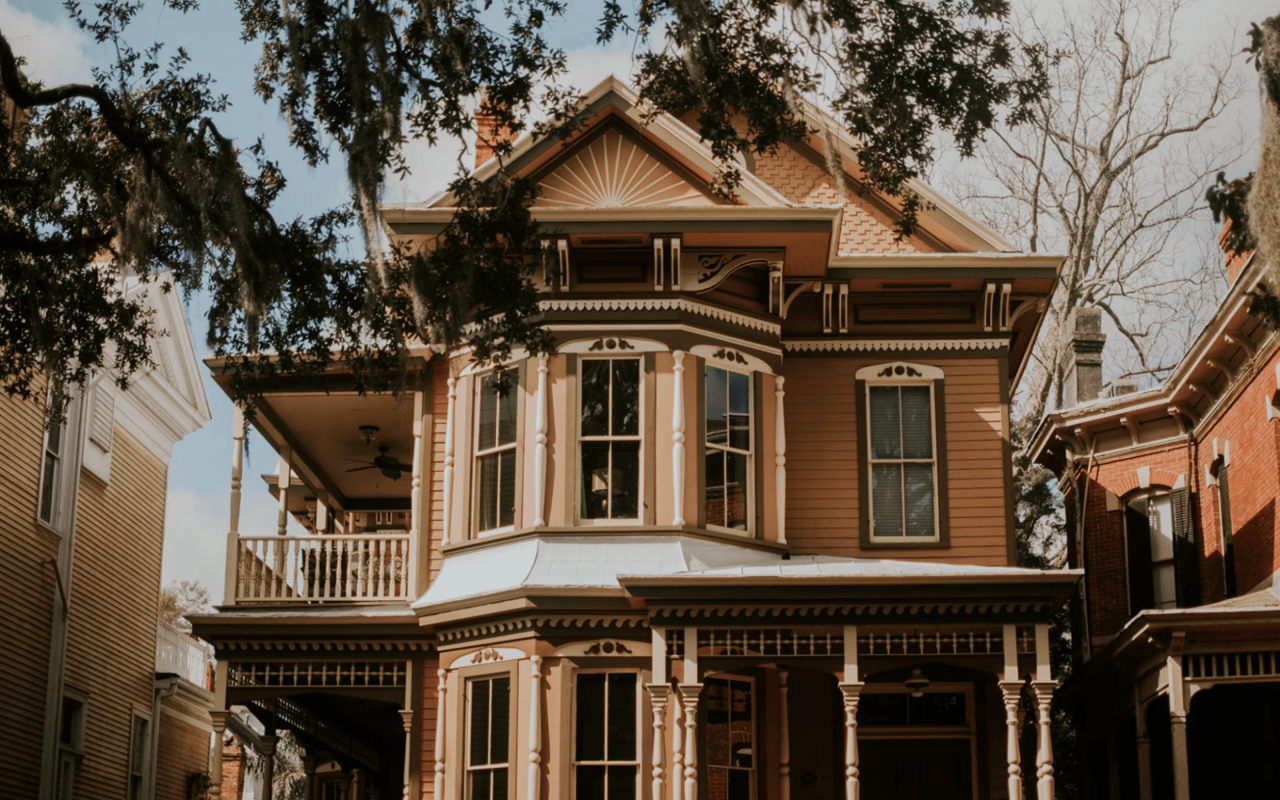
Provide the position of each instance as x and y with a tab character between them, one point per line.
606	762
488	738
495	457
609	438
728	497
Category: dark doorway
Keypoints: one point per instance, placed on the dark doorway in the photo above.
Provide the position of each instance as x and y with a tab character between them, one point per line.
1232	734
916	769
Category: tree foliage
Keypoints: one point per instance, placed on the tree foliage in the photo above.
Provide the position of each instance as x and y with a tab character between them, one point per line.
130	175
180	598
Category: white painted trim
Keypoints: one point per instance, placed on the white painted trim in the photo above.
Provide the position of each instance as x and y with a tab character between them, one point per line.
872	374
651	327
517	355
730	359
662	304
855	345
612	346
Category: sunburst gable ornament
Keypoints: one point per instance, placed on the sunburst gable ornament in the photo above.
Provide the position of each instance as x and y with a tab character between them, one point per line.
613	171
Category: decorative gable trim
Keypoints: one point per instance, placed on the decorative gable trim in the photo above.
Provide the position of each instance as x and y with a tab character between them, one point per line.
663	304
871	345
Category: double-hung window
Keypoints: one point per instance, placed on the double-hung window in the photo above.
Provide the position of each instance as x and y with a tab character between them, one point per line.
606	761
610	439
488	737
51	476
731	738
138	756
728	449
495	467
902	440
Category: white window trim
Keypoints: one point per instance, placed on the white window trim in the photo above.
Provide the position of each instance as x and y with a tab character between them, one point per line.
476	453
134	746
73	751
641	399
1150	495
900	374
65	481
755	728
750	530
574	763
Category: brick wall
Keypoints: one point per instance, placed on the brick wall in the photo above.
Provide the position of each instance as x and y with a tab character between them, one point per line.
232	769
183	751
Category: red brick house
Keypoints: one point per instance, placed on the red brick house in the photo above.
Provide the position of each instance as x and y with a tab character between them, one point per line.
1178	644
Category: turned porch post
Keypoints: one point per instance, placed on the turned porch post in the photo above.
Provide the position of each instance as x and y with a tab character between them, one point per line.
851	691
1143	743
659	693
447	502
1011	691
268	764
412	690
419	539
780	464
690	690
535	728
218	719
784	739
441	690
1042	689
540	448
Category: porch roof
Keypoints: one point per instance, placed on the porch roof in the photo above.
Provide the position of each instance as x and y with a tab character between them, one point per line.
676	565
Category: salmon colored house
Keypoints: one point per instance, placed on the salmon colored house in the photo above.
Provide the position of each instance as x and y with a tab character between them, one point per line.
745	533
1178	689
90	684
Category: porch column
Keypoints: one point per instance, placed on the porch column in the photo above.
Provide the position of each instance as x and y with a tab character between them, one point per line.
535	727
308	776
441	690
690	690
1178	725
406	719
1043	693
411	568
284	476
268	764
784	739
1011	690
677	440
233	534
689	693
447	502
851	691
219	722
659	693
1144	747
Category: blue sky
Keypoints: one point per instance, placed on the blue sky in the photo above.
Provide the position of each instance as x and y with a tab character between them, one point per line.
199	475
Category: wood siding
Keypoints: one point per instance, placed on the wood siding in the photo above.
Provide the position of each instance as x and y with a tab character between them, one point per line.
112	633
27	591
823	478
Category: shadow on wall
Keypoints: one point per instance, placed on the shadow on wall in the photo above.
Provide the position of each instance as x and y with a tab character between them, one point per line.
1255	548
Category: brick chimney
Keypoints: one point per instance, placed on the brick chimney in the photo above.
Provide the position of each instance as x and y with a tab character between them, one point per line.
1083	381
1235	258
490	132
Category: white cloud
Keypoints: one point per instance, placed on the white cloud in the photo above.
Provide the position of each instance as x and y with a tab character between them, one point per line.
56	52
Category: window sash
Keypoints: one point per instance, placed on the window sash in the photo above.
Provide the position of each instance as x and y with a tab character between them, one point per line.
623	450
488	779
893	491
50	478
723	457
617	713
722	758
494	459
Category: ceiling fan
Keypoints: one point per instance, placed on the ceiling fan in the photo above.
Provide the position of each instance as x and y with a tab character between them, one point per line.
391	467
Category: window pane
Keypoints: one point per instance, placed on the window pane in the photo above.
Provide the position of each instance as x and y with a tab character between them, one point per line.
736	479
717	405
739	785
622	783
55	440
882	709
595	480
595	397
507	415
739	393
917	423
1160	514
498	729
1166	585
46	487
488	414
622	718
715	496
591	783
919	488
481	786
479	722
500	783
886	499
590	718
626	397
740	431
885	422
718	734
507	486
487	512
625	483
938	708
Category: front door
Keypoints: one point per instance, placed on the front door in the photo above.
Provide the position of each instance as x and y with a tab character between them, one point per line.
916	769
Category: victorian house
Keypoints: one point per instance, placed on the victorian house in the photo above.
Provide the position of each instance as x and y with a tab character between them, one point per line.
1171	498
746	533
91	684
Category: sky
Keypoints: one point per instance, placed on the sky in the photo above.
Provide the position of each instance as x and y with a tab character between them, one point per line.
199	476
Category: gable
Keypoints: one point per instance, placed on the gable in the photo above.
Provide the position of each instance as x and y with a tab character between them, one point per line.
616	169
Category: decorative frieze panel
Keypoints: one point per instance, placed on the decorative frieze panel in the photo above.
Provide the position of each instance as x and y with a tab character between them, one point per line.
662	304
820	642
1227	667
861	613
562	621
317	674
872	345
606	647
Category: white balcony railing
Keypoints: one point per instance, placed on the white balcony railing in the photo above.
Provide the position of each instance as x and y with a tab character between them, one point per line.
309	569
179	654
